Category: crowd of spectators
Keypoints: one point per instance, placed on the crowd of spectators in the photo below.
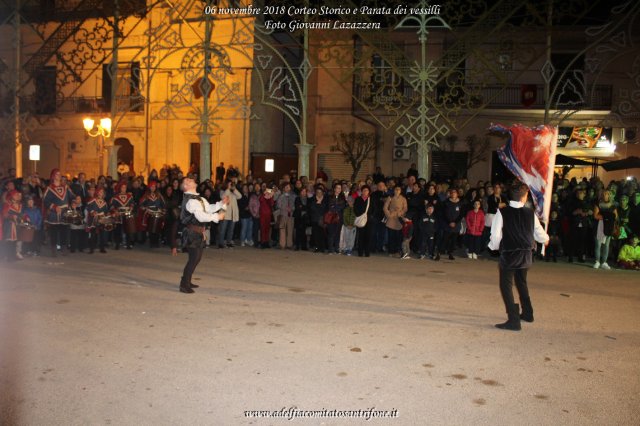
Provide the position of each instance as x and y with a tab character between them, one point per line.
406	216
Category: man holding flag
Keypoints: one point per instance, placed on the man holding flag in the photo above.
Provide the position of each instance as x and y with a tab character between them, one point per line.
530	155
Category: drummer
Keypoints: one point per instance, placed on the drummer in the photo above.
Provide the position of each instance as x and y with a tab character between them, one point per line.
34	216
56	198
121	201
152	200
97	208
12	215
77	231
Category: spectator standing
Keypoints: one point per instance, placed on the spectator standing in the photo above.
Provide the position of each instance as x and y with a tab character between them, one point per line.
605	213
475	227
395	208
348	232
452	215
285	206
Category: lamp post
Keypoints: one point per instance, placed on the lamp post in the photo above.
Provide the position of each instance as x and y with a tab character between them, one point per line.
34	155
100	130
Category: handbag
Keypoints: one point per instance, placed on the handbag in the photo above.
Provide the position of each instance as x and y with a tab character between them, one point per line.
361	221
331	218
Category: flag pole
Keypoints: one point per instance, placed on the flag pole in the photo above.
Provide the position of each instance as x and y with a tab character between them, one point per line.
546	209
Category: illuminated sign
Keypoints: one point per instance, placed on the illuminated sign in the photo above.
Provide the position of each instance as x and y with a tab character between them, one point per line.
584	137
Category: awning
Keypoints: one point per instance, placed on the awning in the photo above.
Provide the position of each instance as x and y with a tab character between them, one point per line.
625	163
564	160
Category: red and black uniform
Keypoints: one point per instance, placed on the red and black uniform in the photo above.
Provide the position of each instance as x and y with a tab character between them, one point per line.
151	201
119	202
12	214
97	207
55	200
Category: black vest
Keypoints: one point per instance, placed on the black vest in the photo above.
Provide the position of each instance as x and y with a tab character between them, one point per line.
517	244
187	218
517	229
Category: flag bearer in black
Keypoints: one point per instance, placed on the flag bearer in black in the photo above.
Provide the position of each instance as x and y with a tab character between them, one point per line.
196	212
514	230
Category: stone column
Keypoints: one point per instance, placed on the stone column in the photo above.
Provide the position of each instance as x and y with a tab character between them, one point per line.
304	149
112	160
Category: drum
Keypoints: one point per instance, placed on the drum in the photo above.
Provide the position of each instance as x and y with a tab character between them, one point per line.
105	222
155	221
129	221
72	217
25	232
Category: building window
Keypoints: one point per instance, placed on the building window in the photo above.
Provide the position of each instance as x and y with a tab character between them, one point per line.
45	95
128	96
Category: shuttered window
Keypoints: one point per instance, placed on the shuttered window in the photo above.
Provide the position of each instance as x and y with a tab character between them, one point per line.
336	168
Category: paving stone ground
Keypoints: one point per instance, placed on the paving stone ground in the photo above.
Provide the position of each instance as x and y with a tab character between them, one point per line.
108	339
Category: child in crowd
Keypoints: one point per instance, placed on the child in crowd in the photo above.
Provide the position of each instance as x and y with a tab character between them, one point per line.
555	231
78	234
629	256
35	219
407	233
427	227
475	227
348	232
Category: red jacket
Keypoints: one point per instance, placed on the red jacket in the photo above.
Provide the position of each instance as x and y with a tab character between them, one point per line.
475	222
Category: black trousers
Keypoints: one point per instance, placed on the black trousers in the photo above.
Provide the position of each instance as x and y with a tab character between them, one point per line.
118	230
195	255
363	242
301	237
578	241
97	236
318	237
506	285
58	234
449	242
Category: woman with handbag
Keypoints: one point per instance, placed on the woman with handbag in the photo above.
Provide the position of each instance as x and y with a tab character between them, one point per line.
363	222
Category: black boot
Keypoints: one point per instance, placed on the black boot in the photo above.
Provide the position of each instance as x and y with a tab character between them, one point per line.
527	309
513	323
185	287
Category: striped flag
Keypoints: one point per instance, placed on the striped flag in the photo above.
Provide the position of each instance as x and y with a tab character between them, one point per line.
530	154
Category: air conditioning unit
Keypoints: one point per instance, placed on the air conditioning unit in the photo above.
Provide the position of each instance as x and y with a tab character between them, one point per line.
630	135
399	141
401	153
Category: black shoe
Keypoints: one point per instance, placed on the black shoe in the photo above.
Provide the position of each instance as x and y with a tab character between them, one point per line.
129	247
192	285
437	257
513	323
451	257
527	309
90	251
186	290
102	250
581	259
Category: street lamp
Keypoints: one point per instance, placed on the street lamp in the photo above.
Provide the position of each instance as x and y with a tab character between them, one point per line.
34	155
101	130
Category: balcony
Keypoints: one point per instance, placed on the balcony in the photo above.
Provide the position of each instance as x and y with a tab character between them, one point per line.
597	97
78	105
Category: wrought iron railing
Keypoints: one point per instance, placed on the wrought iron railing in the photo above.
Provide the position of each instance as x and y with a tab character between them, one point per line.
597	97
